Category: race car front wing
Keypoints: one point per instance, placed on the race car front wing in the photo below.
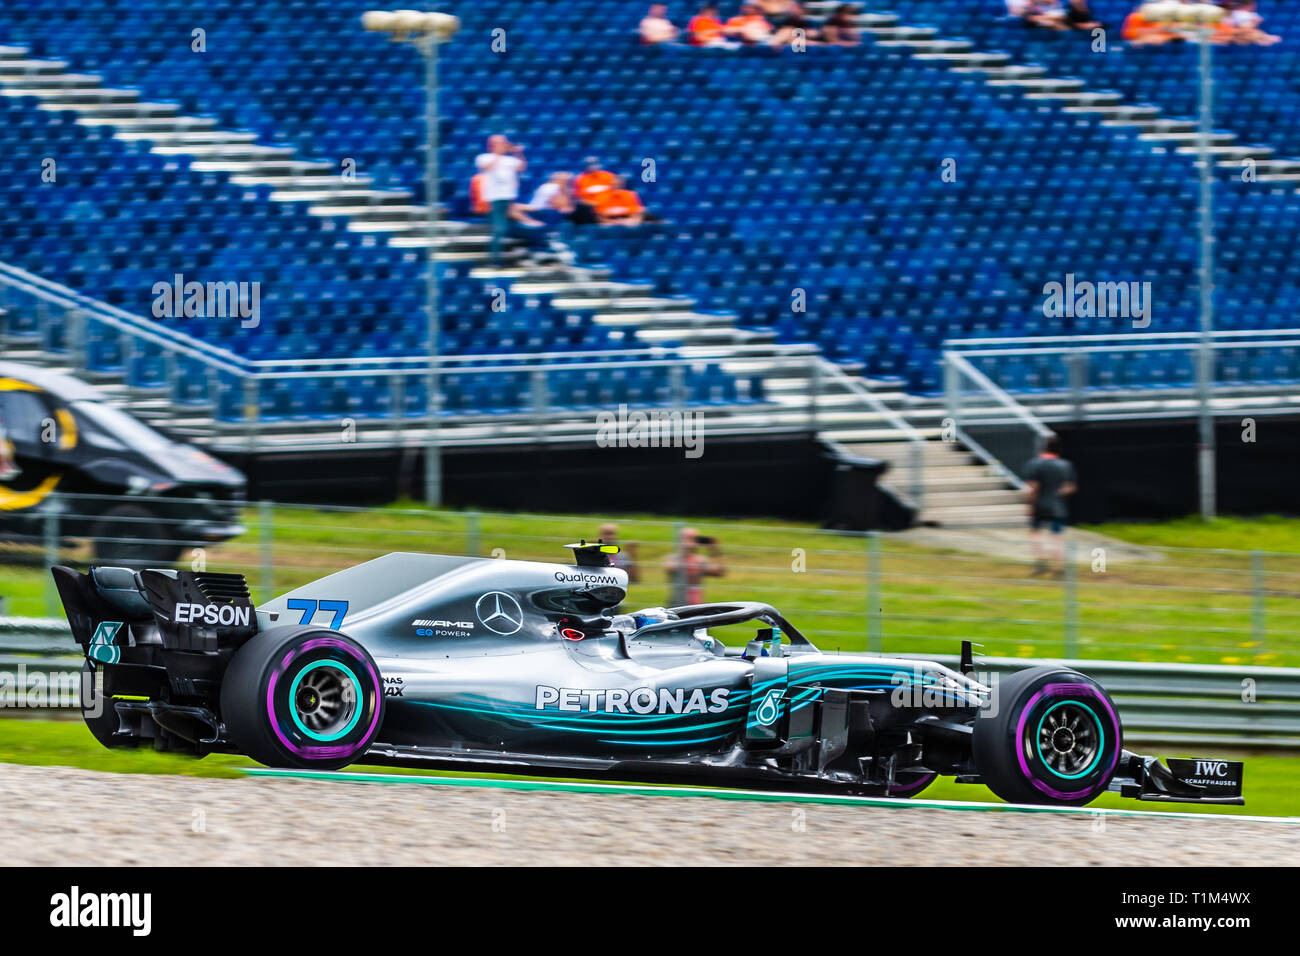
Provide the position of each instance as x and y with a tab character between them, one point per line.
1183	780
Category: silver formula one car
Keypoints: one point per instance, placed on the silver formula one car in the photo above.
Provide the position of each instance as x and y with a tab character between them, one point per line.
530	667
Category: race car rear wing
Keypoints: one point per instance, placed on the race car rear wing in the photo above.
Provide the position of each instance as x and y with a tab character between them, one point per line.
187	610
1184	780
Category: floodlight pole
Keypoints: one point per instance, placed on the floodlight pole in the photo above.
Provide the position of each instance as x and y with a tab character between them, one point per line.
425	31
1206	452
433	450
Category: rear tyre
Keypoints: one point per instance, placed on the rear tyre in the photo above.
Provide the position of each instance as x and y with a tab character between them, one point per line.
97	708
304	697
1054	738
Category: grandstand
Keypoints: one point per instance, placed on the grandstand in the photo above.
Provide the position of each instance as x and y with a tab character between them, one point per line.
775	173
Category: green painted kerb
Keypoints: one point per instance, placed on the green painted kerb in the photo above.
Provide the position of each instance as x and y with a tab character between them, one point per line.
761	796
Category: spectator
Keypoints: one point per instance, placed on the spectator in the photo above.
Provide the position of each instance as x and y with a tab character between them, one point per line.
552	203
687	567
1139	31
1079	17
1044	14
840	28
749	26
788	21
593	181
626	558
619	206
1050	479
706	28
590	185
1244	25
499	188
656	27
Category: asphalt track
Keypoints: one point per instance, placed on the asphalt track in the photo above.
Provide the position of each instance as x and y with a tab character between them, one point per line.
55	815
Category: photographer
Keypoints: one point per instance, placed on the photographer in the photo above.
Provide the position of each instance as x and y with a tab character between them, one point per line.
697	557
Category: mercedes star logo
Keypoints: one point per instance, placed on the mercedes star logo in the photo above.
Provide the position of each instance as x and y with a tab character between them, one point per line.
499	612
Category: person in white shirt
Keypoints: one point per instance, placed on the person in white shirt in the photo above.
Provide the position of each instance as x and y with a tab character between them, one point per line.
656	27
1246	26
553	201
500	166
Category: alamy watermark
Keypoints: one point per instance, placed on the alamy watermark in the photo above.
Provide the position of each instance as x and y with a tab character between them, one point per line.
48	690
1082	299
211	300
656	428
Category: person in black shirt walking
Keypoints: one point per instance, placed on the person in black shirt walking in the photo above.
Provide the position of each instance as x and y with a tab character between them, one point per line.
1050	479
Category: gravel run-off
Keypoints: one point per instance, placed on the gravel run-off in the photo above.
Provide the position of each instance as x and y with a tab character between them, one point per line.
60	816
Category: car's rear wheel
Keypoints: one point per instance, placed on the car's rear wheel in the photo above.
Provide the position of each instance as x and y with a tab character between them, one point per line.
1054	737
302	697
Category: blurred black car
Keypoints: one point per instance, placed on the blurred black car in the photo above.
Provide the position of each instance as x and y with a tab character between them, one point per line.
141	497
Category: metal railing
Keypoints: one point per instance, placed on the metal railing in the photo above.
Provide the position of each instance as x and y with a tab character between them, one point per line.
242	405
914	480
1099	377
996	428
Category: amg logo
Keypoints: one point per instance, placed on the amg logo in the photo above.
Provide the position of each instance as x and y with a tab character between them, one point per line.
1211	768
461	625
643	700
73	909
226	615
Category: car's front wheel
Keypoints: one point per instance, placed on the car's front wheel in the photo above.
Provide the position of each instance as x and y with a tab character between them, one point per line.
1052	736
302	697
132	536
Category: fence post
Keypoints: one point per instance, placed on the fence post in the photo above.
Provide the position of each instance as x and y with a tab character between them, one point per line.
76	337
472	545
266	540
172	370
397	398
677	385
678	586
1077	369
252	411
126	342
917	462
1258	601
1070	576
541	398
814	396
875	628
53	604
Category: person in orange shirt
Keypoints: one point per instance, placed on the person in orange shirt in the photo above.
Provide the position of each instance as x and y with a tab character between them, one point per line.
706	29
619	206
1139	31
477	204
590	185
749	26
593	181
